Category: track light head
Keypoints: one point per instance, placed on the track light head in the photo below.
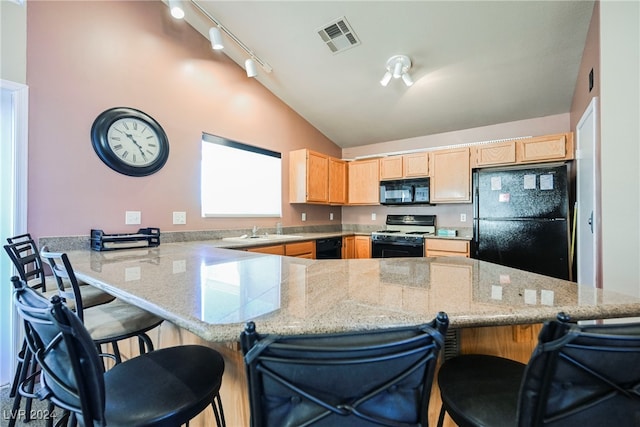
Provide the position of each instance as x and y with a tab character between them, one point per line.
250	67
215	35
176	9
406	78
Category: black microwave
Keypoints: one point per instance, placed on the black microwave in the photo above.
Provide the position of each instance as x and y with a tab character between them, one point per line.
405	191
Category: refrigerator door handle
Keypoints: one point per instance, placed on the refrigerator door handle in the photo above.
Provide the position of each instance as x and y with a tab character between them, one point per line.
590	222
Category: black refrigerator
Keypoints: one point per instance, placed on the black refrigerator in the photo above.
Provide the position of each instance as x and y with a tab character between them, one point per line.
521	218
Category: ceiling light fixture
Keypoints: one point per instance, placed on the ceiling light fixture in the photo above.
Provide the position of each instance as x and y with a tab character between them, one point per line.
216	38
176	9
250	68
398	66
222	29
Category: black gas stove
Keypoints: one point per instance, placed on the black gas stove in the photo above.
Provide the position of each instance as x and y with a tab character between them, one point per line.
403	236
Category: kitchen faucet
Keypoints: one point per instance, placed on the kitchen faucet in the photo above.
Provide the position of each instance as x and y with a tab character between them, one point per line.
254	231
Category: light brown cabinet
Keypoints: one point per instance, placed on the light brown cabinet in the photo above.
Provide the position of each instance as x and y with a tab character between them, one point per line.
446	247
502	153
546	148
298	249
362	247
301	249
273	250
416	164
540	149
450	172
348	247
316	178
391	167
363	182
337	181
405	166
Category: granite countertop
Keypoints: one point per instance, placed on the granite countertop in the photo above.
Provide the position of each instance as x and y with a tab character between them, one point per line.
212	291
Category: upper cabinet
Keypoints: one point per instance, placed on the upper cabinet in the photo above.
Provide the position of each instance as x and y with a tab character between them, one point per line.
316	178
337	181
363	182
405	166
549	148
450	172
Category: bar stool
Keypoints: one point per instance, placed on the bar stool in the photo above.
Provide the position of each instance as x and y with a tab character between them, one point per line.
23	252
367	378
578	375
165	387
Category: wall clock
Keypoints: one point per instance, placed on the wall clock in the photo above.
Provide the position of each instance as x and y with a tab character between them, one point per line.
129	141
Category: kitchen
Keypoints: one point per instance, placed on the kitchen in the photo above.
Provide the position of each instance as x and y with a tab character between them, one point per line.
83	86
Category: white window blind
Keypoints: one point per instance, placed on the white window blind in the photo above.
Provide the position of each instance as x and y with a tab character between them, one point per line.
239	180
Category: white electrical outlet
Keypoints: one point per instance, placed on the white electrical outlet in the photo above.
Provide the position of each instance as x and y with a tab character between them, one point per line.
373	217
132	217
179	217
330	216
463	217
304	216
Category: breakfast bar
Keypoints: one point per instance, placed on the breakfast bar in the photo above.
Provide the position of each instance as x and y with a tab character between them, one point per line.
208	293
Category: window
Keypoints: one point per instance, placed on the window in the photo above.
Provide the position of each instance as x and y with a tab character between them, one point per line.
239	180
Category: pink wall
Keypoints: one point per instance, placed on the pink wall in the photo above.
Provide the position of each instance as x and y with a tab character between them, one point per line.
590	60
86	57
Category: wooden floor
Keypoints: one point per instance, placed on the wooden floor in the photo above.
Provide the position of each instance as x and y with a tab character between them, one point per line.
514	342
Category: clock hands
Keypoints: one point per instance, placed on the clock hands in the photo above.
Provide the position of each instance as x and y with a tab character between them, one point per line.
137	145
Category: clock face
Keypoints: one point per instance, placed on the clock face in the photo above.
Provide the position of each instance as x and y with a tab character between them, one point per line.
133	141
129	141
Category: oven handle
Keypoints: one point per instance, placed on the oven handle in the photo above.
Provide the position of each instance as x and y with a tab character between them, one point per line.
415	245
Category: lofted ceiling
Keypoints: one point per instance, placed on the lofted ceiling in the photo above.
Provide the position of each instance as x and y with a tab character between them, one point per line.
474	63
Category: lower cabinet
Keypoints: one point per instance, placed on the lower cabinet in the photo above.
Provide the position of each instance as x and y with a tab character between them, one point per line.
446	247
348	247
299	249
273	250
362	247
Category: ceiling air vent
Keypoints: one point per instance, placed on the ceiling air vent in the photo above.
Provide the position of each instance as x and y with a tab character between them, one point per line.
338	35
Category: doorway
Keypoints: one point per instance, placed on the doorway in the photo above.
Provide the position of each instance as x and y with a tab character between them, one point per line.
13	199
587	206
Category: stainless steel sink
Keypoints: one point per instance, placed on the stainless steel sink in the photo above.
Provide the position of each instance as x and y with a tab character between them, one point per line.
261	238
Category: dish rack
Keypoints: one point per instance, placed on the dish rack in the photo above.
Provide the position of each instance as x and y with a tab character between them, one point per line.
144	238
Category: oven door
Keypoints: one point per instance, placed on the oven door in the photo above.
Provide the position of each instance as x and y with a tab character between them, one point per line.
396	250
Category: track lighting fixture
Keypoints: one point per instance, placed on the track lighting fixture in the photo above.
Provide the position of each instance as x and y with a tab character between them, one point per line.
176	9
216	38
398	66
215	35
250	68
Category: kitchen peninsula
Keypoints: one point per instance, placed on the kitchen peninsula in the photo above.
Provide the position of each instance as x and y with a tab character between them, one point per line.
211	292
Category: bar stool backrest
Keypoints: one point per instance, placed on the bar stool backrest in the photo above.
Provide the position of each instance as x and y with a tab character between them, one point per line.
582	376
367	378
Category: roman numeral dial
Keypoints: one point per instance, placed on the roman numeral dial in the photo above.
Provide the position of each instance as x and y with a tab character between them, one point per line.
130	141
133	141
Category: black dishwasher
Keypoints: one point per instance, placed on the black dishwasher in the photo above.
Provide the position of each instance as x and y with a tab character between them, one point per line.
330	248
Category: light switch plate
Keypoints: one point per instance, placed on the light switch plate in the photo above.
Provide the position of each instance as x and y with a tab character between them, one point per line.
179	217
304	216
132	217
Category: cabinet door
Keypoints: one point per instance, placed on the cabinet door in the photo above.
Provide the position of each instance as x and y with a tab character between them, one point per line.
502	153
545	148
301	249
364	184
317	177
450	172
348	247
362	247
274	250
391	168
445	247
337	181
416	164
